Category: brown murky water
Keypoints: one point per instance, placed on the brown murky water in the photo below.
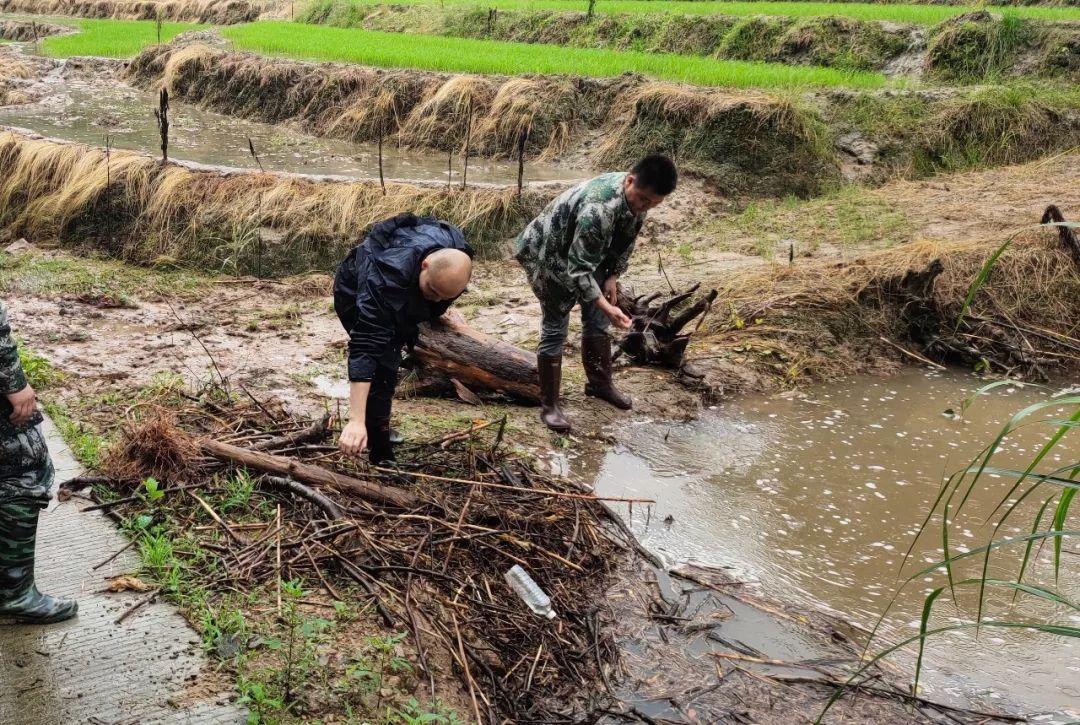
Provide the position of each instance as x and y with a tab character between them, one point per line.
818	497
78	110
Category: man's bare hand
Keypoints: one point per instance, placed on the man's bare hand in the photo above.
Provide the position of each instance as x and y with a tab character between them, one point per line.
453	317
617	316
353	438
611	289
24	404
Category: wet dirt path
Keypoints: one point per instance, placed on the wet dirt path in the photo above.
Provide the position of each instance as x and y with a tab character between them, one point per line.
149	668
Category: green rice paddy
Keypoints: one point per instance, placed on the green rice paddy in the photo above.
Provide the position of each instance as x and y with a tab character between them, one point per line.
111	38
460	55
918	14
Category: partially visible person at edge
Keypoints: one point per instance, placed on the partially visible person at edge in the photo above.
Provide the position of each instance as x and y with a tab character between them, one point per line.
408	270
574	253
26	476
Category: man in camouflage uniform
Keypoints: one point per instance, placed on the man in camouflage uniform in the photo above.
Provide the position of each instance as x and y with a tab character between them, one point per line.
574	253
26	475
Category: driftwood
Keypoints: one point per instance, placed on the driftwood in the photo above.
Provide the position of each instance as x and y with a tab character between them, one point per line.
324	503
447	351
656	337
307	473
314	433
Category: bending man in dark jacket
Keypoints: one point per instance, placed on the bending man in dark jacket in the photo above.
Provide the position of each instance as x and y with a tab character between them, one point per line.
408	270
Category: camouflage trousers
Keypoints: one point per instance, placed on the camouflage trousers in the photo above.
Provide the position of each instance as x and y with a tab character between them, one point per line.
26	475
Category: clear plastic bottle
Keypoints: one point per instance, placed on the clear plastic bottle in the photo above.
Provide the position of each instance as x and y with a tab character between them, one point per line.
529	591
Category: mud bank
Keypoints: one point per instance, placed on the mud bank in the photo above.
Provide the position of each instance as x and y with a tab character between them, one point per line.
136	208
24	31
967	48
824	320
740	142
217	12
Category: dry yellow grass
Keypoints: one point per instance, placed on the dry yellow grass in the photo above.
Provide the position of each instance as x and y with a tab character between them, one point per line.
145	211
205	11
824	319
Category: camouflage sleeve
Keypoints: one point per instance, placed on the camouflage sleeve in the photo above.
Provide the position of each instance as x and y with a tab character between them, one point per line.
591	236
12	379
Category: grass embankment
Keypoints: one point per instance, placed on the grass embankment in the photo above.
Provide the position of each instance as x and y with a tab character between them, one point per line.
972	48
393	50
137	209
203	11
919	14
112	38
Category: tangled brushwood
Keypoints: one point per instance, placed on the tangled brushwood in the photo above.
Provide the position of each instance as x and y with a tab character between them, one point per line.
138	209
825	319
423	546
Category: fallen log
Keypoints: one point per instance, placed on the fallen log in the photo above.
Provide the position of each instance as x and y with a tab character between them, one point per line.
314	433
307	473
453	350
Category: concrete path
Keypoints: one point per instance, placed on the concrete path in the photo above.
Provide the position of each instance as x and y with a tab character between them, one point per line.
91	670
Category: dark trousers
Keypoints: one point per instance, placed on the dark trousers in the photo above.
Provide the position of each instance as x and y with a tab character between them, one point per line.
381	395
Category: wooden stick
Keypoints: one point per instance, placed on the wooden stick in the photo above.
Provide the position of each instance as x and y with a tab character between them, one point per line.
465	664
314	475
131	610
126	546
217	519
917	356
279	560
522	489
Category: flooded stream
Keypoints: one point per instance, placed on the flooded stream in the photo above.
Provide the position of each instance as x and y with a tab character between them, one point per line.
82	110
818	497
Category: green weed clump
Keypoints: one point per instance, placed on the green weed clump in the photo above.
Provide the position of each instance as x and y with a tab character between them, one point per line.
756	143
394	50
999	125
978	47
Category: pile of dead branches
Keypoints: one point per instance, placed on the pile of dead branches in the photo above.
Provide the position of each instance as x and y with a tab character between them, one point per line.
427	542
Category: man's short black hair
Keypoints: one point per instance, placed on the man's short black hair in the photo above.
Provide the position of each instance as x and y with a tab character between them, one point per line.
657	173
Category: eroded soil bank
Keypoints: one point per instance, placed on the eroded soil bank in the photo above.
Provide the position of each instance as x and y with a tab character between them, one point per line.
739	141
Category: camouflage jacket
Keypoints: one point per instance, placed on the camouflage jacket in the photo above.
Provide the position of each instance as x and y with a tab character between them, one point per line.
12	379
584	236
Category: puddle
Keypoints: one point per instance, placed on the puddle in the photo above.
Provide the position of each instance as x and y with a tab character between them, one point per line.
84	111
818	499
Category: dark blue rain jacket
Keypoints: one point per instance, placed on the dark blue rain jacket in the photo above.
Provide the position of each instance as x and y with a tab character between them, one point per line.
377	290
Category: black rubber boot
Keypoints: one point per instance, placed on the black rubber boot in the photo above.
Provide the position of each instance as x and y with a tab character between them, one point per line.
20	599
596	357
551	414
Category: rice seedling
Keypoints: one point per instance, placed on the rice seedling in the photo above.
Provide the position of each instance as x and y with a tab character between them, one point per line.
920	14
111	38
395	50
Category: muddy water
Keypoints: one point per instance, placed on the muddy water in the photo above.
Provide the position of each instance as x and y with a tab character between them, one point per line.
817	499
84	111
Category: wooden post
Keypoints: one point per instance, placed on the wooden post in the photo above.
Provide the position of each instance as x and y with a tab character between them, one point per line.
158	23
492	15
521	159
108	183
382	181
468	139
589	14
449	167
161	113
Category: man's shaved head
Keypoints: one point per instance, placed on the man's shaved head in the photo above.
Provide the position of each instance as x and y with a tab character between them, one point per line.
444	274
